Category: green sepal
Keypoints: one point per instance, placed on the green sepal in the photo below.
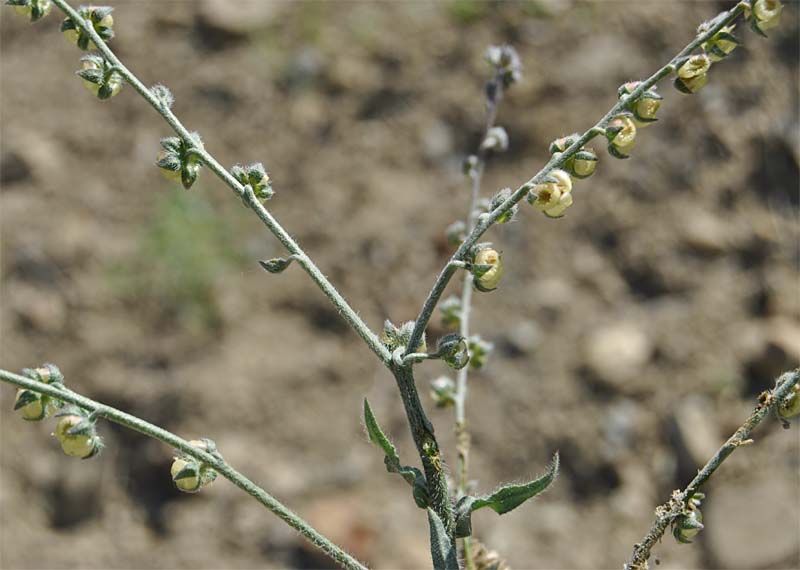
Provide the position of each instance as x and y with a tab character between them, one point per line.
71	410
681	86
83	40
67	24
643	119
275	265
411	475
190	470
17	2
101	12
169	162
755	28
105	92
715	50
681	61
37	12
505	499
727	37
28	397
443	551
172	144
452	348
95	76
613	151
480	269
188	175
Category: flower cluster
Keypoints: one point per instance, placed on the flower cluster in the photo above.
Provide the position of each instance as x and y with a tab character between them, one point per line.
34	10
100	78
77	434
101	20
256	176
189	474
32	405
178	159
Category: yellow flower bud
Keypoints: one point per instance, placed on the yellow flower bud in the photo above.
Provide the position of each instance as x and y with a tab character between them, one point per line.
30	405
35	9
189	483
82	445
692	74
767	14
554	195
645	108
721	44
489	280
625	138
790	407
584	167
112	86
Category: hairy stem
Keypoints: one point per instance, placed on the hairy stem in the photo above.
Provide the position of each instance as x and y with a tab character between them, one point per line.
427	447
486	221
219	465
462	435
672	509
248	197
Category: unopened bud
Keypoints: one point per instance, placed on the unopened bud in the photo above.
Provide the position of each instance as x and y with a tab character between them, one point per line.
99	17
34	10
621	135
99	77
256	176
790	405
77	434
443	391
177	160
487	268
721	44
191	475
497	200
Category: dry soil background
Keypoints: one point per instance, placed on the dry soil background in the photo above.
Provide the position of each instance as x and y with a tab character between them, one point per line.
632	335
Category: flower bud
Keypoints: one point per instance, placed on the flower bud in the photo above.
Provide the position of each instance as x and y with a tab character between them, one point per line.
190	475
99	77
256	176
101	19
479	351
621	135
34	10
394	337
451	311
644	107
583	163
452	348
456	232
790	406
487	268
497	200
507	63
553	195
721	44
30	405
691	76
77	434
765	15
163	94
496	140
443	391
690	522
177	160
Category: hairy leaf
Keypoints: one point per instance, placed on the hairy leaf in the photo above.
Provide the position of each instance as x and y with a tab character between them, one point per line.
442	550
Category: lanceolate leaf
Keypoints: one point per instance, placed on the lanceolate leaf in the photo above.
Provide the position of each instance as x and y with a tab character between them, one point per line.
505	499
442	550
277	264
412	475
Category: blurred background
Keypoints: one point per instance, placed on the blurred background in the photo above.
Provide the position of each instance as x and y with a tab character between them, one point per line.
633	335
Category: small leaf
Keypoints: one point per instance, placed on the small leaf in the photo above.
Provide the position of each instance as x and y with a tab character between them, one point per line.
377	436
505	499
276	265
443	551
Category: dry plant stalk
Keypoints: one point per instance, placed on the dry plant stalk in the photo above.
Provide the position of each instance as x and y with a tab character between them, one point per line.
42	392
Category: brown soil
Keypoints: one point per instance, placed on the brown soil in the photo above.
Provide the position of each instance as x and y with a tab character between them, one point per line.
633	335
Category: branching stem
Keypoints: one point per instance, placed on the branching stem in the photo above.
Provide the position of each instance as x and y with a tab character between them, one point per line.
96	409
487	221
249	198
672	509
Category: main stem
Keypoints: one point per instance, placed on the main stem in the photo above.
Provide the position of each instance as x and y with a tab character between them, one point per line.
247	195
463	440
219	465
486	221
668	512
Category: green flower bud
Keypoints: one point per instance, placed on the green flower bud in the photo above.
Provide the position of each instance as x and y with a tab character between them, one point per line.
691	76
621	135
99	77
443	391
452	348
34	10
687	526
177	160
790	406
32	405
394	337
583	163
506	61
764	15
498	199
451	311
487	268
470	166
100	18
256	176
553	195
496	140
190	475
721	44
644	107
479	351
77	434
